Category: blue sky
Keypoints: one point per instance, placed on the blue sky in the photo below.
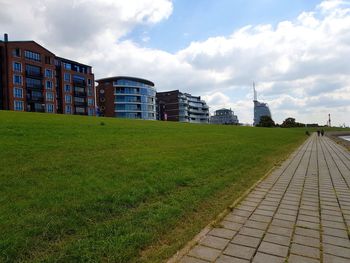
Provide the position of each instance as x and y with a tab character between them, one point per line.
197	20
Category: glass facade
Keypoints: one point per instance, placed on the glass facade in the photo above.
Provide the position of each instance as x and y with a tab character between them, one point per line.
192	109
134	99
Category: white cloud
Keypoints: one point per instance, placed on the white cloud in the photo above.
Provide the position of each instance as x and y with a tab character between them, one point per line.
301	66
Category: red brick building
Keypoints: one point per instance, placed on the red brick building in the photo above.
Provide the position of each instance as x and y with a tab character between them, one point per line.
33	79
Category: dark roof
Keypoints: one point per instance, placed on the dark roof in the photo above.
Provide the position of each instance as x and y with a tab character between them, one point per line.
29	41
72	61
170	91
145	81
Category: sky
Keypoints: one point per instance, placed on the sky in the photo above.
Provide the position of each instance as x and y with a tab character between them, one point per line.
296	51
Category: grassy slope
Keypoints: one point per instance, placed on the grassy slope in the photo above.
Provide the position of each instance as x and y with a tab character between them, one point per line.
74	190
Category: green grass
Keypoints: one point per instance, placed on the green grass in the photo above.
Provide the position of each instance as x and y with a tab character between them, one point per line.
73	190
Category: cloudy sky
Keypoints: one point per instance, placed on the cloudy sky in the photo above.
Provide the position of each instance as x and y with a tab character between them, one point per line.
297	51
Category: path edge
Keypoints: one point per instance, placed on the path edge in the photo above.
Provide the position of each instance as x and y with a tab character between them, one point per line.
190	244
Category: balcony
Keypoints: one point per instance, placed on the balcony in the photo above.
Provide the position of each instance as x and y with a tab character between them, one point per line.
79	83
80	103
31	98
80	94
35	86
34	74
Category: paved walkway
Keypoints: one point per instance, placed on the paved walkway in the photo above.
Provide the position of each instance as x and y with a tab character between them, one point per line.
300	213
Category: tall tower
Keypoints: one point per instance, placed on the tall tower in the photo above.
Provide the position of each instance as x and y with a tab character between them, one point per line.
329	120
255	94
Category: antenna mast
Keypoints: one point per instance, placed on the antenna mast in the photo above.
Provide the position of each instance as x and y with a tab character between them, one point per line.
329	120
255	94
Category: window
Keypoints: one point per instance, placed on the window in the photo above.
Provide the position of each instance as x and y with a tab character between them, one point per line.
32	55
67	88
67	66
79	110
90	91
91	112
16	52
89	82
17	79
67	77
33	70
68	99
68	109
47	60
49	96
49	84
18	93
19	105
49	108
90	102
17	67
48	73
33	83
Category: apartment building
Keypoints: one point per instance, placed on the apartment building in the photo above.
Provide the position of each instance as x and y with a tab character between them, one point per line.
34	79
184	107
126	97
224	116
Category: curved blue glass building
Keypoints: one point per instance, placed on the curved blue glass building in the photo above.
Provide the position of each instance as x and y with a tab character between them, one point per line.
260	109
126	97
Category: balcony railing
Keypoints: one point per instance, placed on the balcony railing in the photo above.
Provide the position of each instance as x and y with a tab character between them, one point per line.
35	86
35	98
79	83
79	94
33	74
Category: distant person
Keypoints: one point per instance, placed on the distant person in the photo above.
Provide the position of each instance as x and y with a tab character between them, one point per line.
318	132
322	132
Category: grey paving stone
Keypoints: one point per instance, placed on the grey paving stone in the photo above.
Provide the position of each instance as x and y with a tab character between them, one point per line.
283	223
246	208
277	239
261	218
309	213
214	242
337	251
235	218
306	251
335	232
246	241
308	225
307	232
251	232
268	207
256	224
342	242
263	212
273	249
287	211
331	224
307	241
280	231
334	259
222	232
239	251
229	259
265	258
188	259
291	218
242	213
300	259
230	225
308	218
205	253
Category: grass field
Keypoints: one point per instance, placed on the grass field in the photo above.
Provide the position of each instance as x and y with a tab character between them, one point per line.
73	190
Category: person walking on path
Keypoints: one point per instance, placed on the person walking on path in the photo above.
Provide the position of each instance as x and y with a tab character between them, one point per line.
322	132
318	132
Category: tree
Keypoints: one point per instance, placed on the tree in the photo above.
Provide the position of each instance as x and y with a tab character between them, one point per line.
290	123
266	121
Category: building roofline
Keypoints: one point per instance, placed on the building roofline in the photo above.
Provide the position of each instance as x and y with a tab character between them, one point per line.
29	41
161	92
72	61
145	81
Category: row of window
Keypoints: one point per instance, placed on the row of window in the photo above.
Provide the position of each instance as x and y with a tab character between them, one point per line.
16	52
76	78
31	83
68	100
19	106
32	55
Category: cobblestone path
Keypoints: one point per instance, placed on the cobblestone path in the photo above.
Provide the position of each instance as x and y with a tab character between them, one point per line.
299	213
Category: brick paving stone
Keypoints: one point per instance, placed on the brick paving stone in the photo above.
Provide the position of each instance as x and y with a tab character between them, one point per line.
246	241
222	232
230	225
285	217
305	251
265	258
334	259
301	259
205	253
307	241
287	211
228	259
307	218
308	225
337	251
251	232
309	213
277	239
273	249
263	212
331	224
241	213
214	242
307	232
188	259
239	251
260	218
342	242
